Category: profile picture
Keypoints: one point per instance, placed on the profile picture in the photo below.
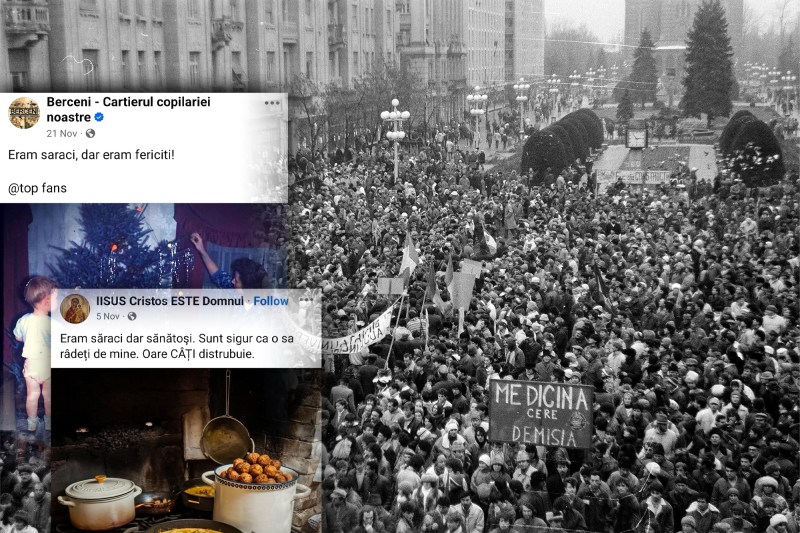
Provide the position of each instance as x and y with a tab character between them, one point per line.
24	113
74	308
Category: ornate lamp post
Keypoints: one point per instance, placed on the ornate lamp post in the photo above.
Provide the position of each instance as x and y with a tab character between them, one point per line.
788	80
554	83
395	118
602	74
574	87
476	100
774	81
522	90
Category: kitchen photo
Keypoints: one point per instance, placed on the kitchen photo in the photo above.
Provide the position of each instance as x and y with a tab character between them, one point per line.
230	451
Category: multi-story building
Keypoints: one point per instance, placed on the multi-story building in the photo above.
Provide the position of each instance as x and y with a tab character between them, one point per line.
268	45
5	69
287	39
358	36
524	39
485	36
26	38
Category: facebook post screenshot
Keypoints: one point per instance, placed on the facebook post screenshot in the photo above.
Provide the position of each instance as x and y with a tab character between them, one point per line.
159	371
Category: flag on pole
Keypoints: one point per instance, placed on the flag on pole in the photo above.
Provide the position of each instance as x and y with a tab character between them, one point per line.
490	242
601	284
432	290
410	258
448	275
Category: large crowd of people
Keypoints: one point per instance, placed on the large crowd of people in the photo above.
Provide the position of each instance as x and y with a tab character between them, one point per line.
24	484
678	305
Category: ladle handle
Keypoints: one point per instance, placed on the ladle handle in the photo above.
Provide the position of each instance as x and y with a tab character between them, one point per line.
227	390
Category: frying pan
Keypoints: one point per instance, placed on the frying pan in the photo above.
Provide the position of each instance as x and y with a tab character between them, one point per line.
193	523
225	438
147	504
192	501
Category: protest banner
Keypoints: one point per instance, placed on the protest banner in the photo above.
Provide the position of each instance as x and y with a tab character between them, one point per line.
353	343
541	413
391	285
472	267
462	287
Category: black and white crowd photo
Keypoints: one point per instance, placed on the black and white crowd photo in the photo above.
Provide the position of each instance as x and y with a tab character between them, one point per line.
558	247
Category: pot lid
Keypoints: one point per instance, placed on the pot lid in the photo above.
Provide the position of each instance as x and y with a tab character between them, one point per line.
100	488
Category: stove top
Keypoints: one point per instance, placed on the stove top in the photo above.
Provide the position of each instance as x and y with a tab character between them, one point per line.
139	524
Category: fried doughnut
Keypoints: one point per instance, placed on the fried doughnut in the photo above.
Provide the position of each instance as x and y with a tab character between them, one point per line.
262	478
252	458
256	470
224	474
270	471
280	478
233	475
276	464
245	478
237	461
243	467
264	460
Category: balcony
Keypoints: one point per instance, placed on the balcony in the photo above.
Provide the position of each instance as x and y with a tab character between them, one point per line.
221	30
291	31
26	18
335	35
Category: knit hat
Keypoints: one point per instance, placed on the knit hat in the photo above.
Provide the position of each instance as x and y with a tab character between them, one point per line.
485	459
688	520
774	521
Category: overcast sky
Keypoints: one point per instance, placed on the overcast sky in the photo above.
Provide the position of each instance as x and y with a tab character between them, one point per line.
606	18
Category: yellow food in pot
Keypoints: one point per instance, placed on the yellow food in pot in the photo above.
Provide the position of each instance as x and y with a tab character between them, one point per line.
201	490
189	530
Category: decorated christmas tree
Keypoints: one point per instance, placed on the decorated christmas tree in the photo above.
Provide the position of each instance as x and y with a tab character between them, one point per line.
115	253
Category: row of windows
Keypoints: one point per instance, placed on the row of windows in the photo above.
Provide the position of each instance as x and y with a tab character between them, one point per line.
142	81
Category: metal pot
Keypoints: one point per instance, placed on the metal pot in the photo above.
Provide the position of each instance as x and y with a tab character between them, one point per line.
193	501
101	503
256	507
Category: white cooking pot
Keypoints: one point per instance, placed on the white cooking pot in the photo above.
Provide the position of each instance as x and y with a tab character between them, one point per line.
101	503
255	507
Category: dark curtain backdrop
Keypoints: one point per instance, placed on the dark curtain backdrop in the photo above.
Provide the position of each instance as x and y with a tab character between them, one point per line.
16	219
229	225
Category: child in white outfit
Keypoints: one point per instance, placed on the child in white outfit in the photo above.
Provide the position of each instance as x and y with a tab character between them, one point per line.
33	329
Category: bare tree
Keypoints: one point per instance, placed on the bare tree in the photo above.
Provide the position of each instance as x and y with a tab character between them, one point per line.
306	95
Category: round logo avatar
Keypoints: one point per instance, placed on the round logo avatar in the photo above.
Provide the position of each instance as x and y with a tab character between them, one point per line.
24	113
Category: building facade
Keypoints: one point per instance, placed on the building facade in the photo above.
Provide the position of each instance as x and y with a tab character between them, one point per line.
269	45
524	39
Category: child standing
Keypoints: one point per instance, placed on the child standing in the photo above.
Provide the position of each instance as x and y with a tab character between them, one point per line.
33	329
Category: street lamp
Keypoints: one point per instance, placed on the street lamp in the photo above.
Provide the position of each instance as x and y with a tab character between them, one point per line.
574	85
522	90
774	80
602	73
554	83
395	118
788	87
476	100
